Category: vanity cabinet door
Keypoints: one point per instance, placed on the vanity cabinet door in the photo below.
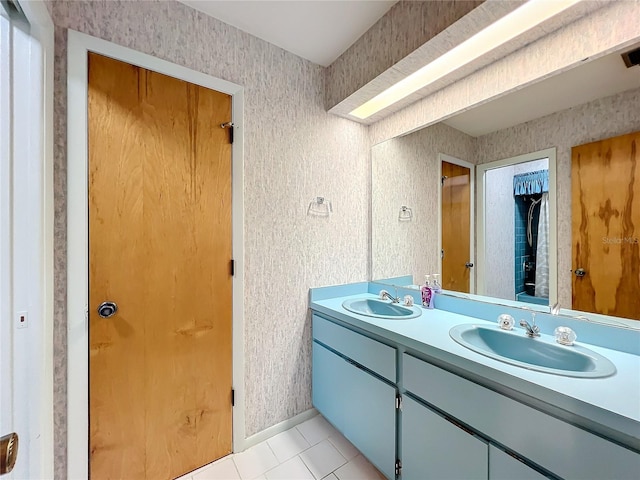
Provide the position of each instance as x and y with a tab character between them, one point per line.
503	466
359	405
434	447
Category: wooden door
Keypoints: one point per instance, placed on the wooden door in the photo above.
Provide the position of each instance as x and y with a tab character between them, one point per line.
605	178
160	248
456	225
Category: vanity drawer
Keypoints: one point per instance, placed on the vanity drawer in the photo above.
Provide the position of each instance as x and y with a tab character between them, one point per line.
375	356
565	450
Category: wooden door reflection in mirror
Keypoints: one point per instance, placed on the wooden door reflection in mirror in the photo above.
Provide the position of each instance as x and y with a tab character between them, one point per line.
605	179
456	251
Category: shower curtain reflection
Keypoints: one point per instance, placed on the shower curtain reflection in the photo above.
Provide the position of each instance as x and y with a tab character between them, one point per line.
542	257
530	193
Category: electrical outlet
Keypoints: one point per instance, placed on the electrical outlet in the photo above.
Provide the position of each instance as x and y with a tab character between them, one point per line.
22	320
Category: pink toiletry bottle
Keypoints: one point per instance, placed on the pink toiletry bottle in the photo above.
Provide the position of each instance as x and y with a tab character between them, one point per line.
427	293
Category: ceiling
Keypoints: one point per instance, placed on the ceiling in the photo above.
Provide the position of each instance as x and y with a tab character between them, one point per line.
595	79
321	30
318	30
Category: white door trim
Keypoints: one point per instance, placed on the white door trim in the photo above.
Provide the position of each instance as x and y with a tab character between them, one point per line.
443	157
79	45
39	347
481	170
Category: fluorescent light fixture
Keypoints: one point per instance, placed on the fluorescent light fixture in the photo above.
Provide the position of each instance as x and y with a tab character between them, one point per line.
517	22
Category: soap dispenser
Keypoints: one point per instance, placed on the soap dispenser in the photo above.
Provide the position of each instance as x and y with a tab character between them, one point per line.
436	285
427	292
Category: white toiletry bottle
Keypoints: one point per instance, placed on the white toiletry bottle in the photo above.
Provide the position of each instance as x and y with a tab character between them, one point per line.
436	285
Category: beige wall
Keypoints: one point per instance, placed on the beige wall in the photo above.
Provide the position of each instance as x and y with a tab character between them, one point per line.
294	151
405	172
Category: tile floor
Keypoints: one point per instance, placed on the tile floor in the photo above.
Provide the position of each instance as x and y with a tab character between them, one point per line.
313	450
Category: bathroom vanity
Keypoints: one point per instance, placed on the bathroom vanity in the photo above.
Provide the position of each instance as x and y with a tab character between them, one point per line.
419	405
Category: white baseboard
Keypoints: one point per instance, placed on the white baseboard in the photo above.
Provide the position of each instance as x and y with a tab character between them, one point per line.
278	428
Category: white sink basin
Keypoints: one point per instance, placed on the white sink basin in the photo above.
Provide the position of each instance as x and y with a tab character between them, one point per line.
372	307
515	348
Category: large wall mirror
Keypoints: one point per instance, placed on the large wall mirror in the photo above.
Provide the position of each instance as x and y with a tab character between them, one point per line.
523	140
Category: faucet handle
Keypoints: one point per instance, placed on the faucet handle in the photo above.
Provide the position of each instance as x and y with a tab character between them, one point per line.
565	336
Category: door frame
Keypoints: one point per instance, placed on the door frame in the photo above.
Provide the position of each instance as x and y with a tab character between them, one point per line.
36	345
79	45
481	170
443	157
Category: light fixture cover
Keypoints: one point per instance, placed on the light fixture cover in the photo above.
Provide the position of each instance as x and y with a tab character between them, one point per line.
519	21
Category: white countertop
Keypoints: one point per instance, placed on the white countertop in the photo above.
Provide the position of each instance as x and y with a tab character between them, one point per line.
612	402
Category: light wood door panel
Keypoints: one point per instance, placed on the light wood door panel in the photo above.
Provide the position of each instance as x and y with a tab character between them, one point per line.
160	247
605	178
456	225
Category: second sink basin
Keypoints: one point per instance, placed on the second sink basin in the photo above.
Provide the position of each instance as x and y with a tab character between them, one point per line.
515	348
372	307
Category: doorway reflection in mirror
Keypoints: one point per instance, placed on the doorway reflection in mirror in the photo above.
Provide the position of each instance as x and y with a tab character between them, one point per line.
517	201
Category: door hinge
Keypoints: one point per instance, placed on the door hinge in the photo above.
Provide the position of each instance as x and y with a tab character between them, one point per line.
398	468
233	267
442	179
228	125
233	397
398	402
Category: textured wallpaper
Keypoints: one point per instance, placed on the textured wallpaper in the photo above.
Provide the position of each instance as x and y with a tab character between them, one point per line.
607	117
294	151
403	29
405	172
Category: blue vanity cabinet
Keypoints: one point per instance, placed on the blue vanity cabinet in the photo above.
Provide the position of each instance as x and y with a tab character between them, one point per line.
555	446
503	466
351	389
434	447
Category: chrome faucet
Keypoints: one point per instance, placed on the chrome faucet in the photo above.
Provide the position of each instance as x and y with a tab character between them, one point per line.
532	330
384	294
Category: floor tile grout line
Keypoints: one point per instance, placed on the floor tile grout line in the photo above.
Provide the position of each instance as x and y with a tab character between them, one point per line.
232	456
235	466
288	460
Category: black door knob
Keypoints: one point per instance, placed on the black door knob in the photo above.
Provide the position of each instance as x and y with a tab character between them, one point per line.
107	309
